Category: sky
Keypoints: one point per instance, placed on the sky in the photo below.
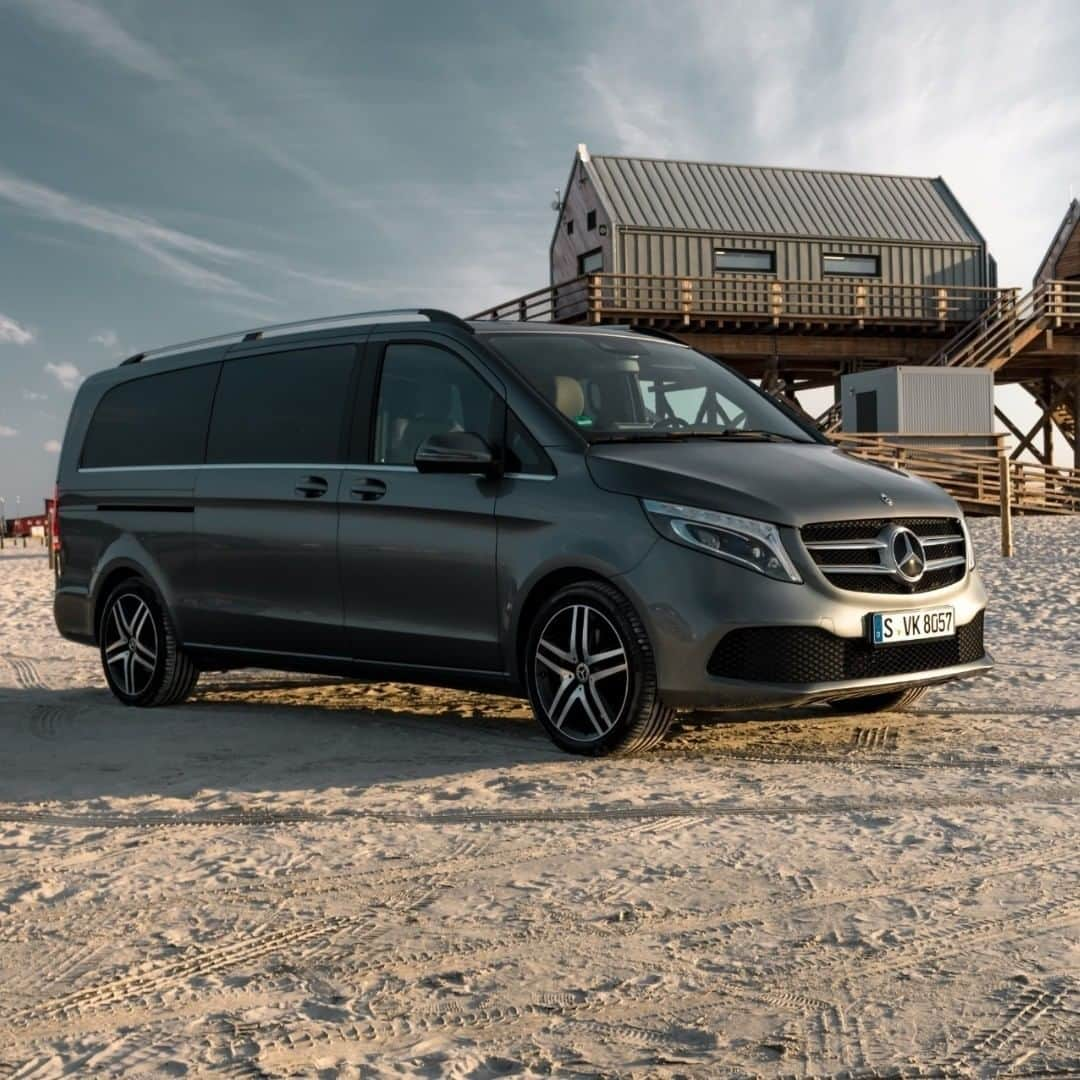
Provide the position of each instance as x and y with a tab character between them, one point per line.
173	170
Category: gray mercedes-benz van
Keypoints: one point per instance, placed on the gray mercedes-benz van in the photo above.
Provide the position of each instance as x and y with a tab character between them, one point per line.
601	519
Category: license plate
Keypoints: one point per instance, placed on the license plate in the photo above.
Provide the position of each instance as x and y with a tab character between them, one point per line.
891	627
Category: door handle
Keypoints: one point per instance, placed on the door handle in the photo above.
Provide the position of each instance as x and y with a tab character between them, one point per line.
312	487
368	490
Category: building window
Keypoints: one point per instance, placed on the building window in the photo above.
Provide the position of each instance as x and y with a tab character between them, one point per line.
590	220
744	261
592	262
570	227
852	265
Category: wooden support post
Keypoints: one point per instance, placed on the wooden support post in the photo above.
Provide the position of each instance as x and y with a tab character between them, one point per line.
1028	441
776	301
860	304
1057	302
1048	420
942	307
686	299
1076	422
596	298
1005	496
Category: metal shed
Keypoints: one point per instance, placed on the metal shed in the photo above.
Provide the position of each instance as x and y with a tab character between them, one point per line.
919	401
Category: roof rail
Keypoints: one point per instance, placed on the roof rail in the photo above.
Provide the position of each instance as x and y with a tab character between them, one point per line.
351	319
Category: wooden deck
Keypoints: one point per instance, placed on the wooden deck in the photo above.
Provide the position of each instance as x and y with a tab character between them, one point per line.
752	303
973	469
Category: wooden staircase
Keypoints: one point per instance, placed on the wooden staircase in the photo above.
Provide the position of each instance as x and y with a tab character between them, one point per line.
1012	324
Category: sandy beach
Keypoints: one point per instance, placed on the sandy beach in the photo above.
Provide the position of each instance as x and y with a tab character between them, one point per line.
303	877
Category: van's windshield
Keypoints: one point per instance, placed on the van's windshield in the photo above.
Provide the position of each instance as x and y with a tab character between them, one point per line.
628	387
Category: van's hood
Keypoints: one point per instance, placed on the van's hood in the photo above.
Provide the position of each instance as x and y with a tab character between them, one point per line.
786	483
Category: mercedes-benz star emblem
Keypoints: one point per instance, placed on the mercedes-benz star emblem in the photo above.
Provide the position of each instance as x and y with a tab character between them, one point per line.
886	499
906	553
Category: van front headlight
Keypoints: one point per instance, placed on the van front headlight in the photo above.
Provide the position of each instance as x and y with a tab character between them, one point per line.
746	542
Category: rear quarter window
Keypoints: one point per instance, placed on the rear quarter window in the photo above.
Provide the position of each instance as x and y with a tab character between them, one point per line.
152	420
282	407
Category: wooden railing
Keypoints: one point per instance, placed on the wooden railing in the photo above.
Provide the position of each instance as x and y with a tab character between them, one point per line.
1009	322
600	298
975	470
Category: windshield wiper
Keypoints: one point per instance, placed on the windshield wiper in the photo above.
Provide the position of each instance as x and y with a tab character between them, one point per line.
753	433
749	434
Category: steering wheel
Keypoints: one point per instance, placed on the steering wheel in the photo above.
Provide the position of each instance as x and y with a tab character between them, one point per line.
671	423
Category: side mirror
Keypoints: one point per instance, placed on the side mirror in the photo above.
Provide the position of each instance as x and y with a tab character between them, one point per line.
456	452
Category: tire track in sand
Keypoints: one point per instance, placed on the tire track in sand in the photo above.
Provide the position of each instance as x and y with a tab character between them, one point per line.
1059	796
26	673
162	976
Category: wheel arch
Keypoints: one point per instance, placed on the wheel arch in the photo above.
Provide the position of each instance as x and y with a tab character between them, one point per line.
116	571
537	593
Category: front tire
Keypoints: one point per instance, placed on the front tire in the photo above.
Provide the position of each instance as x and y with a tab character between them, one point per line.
591	673
143	662
897	701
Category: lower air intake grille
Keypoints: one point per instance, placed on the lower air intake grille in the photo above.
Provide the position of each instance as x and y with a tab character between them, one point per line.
807	654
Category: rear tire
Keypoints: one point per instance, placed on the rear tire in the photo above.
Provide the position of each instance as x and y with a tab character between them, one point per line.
896	701
143	662
591	673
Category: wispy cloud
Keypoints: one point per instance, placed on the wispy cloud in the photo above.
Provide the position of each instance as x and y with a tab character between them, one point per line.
107	339
187	259
65	373
171	250
51	446
788	82
98	32
7	432
12	333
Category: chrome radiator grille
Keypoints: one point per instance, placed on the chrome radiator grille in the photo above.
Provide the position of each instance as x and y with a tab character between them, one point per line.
868	555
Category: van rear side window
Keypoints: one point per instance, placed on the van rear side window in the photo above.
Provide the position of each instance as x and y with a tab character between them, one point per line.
281	407
153	420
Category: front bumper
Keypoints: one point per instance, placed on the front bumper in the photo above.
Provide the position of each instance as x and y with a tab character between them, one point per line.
692	601
722	694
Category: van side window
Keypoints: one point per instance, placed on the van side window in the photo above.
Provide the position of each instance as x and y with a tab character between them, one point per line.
281	407
425	391
523	453
152	420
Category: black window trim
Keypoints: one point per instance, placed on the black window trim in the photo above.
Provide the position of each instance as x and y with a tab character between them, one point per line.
771	252
548	472
827	255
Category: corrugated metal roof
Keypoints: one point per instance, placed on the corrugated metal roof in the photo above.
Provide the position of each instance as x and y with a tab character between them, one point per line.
659	194
1064	231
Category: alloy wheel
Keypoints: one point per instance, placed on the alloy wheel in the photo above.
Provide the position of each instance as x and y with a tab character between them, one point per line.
131	644
582	673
